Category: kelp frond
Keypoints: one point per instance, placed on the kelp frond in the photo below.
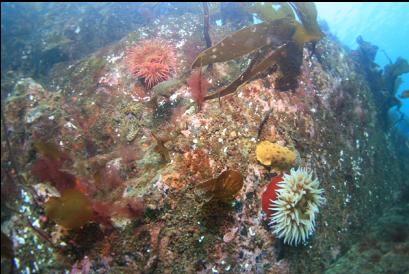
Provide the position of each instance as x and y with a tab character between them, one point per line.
277	41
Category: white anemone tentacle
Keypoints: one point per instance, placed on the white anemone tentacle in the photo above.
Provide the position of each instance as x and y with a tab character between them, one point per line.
294	211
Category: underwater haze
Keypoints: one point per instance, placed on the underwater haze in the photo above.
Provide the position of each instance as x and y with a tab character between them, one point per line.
208	137
383	24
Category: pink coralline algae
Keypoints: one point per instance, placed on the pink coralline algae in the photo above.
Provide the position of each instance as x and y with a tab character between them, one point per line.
153	60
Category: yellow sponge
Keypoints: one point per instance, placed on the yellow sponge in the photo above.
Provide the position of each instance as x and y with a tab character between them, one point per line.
274	155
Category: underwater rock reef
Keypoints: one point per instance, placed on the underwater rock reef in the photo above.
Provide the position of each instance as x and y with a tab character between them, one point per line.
105	170
384	249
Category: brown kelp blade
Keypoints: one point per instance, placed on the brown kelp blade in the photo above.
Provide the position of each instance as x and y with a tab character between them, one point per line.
229	183
269	11
206	189
307	13
290	50
233	86
246	41
222	188
308	31
285	35
49	150
72	210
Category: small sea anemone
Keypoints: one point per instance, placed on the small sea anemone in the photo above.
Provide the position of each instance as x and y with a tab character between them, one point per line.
296	206
153	60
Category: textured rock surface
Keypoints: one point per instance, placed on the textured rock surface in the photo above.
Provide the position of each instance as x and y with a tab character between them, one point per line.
384	249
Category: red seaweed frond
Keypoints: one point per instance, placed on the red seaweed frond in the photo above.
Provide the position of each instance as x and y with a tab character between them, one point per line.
48	166
198	87
102	213
48	170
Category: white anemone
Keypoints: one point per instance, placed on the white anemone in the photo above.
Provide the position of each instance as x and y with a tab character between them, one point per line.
296	206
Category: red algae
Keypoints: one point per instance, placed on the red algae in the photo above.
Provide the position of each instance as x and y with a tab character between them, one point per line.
198	87
48	167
